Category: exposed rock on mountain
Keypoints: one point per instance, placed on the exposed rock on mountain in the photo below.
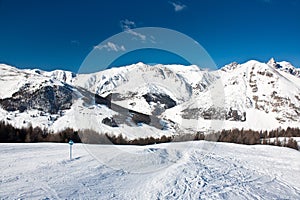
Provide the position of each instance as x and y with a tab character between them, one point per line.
47	99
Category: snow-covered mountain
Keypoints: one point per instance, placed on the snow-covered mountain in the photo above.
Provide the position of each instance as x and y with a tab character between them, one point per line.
141	100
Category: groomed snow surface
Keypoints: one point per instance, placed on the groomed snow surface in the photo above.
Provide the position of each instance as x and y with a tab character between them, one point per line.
187	170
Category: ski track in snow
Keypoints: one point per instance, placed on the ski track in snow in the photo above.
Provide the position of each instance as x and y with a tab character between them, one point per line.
188	170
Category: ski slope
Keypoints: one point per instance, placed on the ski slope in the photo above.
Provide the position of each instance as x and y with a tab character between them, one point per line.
188	170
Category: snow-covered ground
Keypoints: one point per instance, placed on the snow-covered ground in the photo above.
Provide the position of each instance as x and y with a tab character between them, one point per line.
188	170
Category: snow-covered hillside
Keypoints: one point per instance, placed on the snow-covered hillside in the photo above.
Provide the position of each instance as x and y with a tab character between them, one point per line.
270	97
13	79
189	170
160	100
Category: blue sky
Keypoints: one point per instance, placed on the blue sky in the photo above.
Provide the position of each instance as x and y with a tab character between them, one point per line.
60	34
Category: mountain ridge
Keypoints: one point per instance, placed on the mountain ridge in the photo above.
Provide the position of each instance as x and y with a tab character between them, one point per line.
251	95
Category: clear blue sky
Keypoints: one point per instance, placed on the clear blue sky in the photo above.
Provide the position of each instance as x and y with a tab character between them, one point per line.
59	34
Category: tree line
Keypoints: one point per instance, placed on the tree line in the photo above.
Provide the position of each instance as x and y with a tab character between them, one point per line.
8	133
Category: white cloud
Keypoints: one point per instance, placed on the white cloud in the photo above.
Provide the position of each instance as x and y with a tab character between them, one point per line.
178	6
139	35
127	24
109	46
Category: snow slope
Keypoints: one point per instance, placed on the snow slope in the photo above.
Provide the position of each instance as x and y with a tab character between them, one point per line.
130	83
189	170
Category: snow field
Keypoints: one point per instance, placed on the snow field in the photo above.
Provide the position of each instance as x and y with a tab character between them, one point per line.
187	170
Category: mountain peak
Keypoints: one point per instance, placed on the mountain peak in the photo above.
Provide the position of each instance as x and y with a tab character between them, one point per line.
7	67
271	62
230	66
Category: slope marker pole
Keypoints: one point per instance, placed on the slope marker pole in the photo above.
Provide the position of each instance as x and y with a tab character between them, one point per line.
71	144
